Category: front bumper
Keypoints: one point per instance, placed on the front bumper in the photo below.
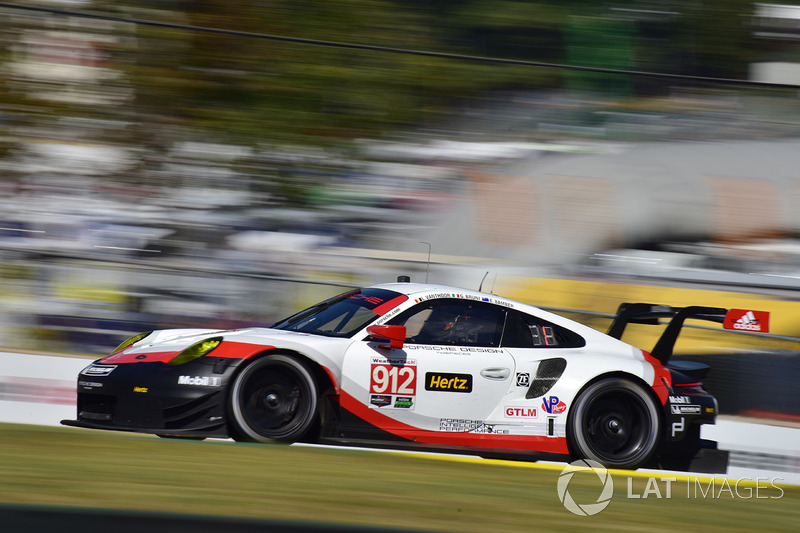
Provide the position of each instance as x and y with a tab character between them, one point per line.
154	397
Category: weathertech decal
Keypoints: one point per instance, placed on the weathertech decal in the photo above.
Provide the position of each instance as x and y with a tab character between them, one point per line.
440	381
745	320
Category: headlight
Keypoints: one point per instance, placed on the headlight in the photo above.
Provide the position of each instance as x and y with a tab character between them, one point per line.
130	342
198	349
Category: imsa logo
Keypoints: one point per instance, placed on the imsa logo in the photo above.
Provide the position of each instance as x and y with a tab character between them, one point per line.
440	381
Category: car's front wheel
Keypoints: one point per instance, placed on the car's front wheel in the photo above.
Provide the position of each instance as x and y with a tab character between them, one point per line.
615	422
273	399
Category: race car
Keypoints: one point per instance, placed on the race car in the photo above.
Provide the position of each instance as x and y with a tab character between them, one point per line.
411	365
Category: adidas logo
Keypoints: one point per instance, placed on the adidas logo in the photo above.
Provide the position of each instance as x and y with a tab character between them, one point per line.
748	321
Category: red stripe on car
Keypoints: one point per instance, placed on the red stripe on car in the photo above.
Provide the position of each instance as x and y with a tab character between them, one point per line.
391	304
239	350
226	350
534	443
662	379
139	357
332	377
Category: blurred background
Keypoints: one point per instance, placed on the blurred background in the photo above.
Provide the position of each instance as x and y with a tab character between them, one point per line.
224	164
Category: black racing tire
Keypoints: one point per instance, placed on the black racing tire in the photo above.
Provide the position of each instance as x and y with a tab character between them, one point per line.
273	399
615	422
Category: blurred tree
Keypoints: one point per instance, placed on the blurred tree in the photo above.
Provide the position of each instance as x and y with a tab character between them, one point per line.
691	37
254	91
713	39
249	90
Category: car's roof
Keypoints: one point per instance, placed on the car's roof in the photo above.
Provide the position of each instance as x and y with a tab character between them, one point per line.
410	289
435	290
432	291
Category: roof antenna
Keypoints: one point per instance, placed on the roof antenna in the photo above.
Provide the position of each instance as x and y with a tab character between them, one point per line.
428	264
480	287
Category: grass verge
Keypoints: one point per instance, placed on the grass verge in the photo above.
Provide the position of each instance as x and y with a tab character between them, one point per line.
85	468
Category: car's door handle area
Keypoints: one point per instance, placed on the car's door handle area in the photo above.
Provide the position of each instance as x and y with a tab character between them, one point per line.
496	373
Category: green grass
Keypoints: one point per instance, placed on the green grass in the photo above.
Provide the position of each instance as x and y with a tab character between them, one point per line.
62	466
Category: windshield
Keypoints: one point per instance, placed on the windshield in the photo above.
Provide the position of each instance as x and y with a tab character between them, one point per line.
343	315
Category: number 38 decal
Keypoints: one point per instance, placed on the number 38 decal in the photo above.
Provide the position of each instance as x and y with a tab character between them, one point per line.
399	378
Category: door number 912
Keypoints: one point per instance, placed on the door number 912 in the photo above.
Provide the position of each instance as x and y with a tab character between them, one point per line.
393	379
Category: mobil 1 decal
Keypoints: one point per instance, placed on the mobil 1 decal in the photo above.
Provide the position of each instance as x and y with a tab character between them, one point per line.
392	383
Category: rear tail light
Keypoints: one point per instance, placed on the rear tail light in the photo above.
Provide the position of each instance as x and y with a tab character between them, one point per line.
695	389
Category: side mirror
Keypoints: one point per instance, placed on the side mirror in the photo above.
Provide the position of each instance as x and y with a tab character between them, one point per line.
396	335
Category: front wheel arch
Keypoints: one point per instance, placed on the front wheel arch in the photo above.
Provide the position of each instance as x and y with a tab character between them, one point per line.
274	397
616	420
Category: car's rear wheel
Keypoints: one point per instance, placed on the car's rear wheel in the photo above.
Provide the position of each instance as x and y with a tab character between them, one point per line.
615	422
273	399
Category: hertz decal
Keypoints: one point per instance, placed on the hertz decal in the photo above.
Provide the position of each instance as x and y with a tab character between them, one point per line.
439	381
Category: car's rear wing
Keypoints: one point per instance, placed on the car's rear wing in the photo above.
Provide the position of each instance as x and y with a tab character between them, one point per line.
642	313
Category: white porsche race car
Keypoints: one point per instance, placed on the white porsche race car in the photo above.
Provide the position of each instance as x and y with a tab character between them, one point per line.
422	366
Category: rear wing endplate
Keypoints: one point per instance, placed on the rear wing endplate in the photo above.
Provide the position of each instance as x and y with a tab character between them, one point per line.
643	313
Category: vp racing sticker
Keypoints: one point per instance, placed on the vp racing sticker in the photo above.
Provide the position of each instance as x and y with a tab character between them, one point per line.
553	406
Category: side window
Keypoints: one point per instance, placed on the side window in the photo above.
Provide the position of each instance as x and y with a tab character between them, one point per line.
526	331
452	321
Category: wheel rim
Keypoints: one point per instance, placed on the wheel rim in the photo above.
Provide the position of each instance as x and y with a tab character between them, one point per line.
617	426
274	400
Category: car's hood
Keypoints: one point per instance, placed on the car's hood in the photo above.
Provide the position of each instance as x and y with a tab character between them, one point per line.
163	345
